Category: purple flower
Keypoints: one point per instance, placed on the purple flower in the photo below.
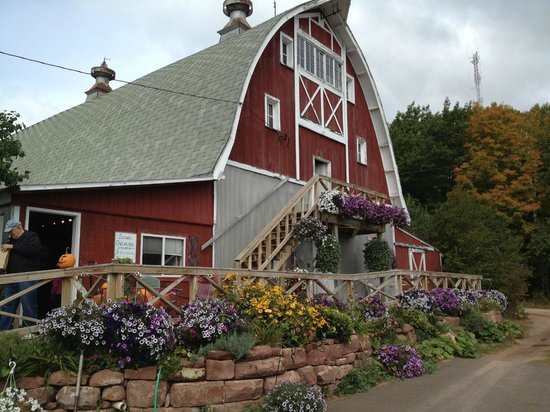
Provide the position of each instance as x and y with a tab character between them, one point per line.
401	361
446	301
205	320
374	309
416	299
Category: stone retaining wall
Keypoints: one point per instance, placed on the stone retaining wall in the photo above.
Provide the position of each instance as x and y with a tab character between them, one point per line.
219	381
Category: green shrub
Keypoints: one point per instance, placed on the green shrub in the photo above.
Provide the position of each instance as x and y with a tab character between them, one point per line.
424	325
171	363
487	305
34	356
378	256
510	329
340	325
271	334
484	330
434	350
466	345
238	344
361	378
327	259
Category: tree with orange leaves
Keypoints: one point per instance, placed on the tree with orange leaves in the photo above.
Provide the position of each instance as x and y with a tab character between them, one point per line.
501	164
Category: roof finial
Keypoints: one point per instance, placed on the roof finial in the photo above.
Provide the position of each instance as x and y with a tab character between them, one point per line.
102	75
238	11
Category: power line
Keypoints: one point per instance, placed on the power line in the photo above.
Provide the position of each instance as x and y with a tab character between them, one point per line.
198	96
57	66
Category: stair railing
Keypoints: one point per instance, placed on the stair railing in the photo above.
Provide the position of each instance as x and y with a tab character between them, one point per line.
279	230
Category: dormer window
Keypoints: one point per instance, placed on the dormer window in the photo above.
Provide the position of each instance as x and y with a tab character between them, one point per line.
361	151
350	88
272	112
287	51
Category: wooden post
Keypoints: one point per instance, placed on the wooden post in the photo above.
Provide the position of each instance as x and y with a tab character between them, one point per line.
193	288
115	286
399	284
351	296
66	298
309	289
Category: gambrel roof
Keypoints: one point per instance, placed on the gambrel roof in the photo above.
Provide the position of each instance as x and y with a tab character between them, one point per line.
177	123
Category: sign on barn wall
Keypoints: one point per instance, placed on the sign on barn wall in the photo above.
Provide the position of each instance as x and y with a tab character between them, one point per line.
125	246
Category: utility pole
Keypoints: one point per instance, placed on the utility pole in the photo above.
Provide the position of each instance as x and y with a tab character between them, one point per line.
274	7
477	77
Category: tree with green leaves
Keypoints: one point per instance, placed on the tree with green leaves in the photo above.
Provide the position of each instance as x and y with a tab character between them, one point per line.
538	245
428	147
10	149
475	240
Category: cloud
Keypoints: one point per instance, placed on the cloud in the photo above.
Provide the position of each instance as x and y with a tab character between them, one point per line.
417	50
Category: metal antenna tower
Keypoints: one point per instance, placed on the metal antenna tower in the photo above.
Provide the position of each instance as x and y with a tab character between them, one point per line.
477	77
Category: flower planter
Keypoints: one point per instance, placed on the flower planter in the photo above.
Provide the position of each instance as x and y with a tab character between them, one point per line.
358	226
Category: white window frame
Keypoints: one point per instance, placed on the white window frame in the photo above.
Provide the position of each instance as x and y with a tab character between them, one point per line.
287	43
163	251
273	118
362	150
322	63
350	88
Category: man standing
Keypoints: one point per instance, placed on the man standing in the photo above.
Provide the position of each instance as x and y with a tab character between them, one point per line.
24	247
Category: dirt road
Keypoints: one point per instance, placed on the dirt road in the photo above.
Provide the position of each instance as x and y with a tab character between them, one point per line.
514	379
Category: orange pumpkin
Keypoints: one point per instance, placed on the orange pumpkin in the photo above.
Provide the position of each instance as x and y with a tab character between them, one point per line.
143	295
66	261
160	303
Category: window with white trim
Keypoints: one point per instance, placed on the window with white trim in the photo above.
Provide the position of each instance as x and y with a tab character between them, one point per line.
272	112
287	50
162	250
361	150
319	62
350	88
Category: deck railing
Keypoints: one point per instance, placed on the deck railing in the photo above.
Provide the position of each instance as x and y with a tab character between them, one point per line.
384	285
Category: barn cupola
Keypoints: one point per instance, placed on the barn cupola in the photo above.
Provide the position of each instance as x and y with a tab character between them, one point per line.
237	11
102	75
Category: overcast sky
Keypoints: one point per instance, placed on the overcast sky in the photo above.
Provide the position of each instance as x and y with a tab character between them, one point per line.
417	50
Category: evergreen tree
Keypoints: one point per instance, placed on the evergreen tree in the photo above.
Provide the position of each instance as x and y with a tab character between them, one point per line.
475	240
428	147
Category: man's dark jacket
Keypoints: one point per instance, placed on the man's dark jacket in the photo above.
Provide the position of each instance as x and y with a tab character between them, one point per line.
25	255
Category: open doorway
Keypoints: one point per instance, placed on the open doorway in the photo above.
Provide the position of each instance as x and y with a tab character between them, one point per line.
58	233
321	167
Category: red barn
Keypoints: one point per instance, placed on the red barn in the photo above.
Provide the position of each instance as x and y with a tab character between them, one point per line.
186	165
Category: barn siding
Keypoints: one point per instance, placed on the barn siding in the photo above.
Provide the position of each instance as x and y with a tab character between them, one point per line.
266	149
433	256
360	124
178	210
256	144
234	195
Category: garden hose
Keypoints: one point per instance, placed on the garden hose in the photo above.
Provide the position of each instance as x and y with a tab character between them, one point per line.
157	389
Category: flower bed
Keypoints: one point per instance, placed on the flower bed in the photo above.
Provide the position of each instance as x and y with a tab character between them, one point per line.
234	350
213	380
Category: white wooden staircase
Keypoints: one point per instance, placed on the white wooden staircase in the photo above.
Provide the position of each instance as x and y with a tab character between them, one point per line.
273	246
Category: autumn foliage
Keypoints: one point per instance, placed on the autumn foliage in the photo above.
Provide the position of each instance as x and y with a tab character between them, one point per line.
501	163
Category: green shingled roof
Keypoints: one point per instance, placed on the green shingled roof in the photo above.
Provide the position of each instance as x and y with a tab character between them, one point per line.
137	134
